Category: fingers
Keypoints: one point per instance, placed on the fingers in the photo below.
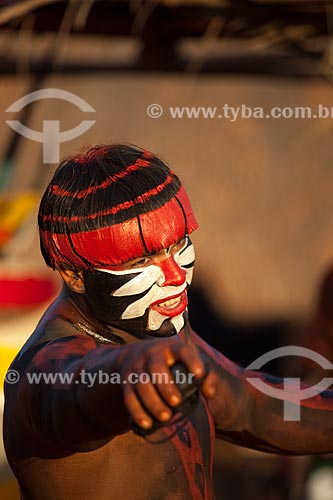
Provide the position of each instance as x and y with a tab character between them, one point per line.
163	380
143	402
209	385
135	409
155	395
190	357
152	393
153	402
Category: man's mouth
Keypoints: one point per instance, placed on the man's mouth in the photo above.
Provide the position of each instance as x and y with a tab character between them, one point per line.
172	306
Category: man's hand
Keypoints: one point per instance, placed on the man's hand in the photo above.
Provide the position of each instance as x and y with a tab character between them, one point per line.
157	397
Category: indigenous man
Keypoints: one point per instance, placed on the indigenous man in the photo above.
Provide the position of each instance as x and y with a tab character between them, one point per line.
115	222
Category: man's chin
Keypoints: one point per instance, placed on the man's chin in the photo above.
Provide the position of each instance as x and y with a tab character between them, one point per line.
139	328
159	334
168	329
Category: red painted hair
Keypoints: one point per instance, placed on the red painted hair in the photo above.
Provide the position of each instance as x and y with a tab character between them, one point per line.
110	204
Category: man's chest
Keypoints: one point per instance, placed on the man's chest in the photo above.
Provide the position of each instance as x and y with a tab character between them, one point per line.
181	453
173	463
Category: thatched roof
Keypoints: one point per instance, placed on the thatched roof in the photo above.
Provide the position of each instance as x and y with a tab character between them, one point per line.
287	32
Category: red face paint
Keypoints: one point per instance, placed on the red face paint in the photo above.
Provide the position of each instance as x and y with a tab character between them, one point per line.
173	274
136	299
171	312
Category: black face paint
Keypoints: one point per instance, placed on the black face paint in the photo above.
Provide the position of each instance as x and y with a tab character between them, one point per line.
143	300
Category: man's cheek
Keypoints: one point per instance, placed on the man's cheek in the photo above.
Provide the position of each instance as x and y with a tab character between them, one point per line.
139	282
100	288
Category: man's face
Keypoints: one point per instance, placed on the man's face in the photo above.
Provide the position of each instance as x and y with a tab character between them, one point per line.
146	295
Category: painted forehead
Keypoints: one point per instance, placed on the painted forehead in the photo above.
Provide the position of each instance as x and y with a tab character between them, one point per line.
116	244
184	256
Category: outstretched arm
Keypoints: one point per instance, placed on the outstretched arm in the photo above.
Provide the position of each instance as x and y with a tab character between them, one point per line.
79	394
246	416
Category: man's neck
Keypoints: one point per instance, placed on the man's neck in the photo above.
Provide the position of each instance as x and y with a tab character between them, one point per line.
83	319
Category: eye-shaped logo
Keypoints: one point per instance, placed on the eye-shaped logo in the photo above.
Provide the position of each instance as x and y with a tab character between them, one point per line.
50	136
292	393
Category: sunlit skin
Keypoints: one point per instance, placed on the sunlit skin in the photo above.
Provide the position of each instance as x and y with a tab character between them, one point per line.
153	400
87	430
146	296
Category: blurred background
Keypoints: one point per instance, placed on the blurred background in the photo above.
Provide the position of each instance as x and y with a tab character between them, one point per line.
261	186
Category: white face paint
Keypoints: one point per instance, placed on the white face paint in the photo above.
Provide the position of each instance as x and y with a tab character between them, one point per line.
162	301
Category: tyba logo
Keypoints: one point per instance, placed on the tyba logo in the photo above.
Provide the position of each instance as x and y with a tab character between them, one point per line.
50	136
292	393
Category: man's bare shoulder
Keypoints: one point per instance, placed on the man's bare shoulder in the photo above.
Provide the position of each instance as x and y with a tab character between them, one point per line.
55	336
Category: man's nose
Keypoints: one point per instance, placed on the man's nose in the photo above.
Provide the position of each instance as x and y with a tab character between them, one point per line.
173	275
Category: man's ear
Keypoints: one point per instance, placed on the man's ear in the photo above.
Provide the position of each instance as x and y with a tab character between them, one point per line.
74	280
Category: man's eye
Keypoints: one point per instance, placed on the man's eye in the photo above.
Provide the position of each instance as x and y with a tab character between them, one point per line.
182	241
178	246
141	262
